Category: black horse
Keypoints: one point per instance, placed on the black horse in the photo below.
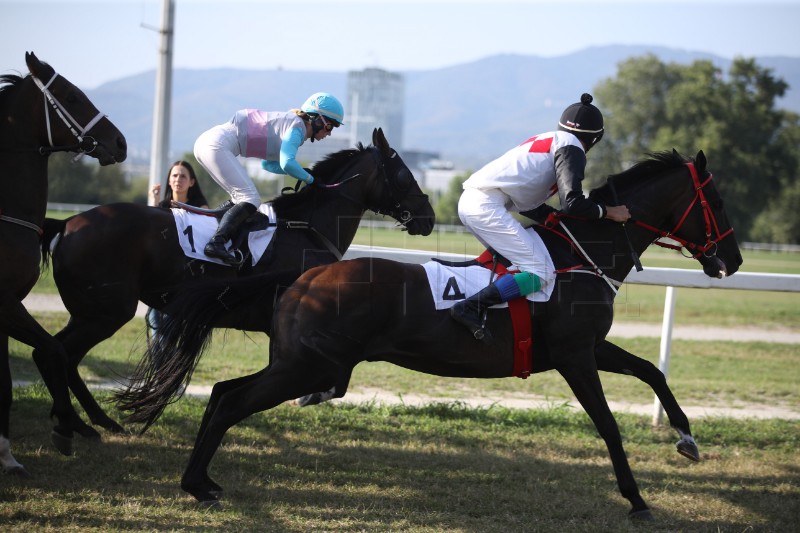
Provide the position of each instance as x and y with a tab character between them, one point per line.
40	113
336	316
109	258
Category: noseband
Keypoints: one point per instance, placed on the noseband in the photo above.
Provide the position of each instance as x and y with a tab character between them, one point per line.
86	144
709	249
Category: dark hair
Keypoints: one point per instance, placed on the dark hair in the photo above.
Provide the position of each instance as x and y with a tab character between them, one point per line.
195	195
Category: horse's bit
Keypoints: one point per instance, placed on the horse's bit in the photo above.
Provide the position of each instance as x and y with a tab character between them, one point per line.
86	144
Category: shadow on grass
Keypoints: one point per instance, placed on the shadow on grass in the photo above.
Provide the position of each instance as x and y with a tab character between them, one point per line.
355	468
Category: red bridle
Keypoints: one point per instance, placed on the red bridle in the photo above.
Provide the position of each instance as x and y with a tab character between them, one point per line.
711	223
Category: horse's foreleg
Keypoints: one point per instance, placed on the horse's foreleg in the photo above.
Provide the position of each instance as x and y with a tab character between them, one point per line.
8	464
51	360
585	384
612	358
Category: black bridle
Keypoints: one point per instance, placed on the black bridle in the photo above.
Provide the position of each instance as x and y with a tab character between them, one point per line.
391	197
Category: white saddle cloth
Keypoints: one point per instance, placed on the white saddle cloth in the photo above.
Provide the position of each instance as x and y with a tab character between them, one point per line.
194	232
451	284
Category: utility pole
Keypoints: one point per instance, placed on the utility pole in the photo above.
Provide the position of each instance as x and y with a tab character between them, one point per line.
159	148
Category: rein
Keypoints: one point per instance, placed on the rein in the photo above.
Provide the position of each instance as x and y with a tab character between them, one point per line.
29	225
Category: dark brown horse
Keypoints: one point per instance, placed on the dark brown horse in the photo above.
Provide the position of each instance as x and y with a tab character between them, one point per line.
336	316
111	257
40	113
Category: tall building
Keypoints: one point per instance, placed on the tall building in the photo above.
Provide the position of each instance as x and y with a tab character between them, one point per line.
375	99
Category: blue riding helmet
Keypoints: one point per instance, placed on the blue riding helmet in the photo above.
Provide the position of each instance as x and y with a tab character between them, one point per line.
325	104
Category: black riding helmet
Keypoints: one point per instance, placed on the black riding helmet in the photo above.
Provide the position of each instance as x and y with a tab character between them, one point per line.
583	120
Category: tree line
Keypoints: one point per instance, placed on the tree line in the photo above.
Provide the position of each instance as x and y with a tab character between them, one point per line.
752	145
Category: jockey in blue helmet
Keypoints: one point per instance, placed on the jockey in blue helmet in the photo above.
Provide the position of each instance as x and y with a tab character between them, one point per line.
274	137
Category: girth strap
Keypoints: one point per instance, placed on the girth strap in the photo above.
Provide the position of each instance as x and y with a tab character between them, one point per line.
520	312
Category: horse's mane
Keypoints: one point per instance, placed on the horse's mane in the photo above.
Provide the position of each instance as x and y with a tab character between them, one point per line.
8	82
324	171
656	163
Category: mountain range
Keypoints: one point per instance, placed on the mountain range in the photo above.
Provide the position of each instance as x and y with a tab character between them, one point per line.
469	113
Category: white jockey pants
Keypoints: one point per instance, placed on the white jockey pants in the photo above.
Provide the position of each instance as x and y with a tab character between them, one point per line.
484	213
217	150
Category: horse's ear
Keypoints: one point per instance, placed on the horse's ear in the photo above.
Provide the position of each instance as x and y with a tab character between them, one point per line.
34	65
379	141
700	161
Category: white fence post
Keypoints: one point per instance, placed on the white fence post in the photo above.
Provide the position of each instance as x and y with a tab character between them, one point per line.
666	347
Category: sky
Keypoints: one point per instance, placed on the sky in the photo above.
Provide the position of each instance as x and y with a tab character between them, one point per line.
95	41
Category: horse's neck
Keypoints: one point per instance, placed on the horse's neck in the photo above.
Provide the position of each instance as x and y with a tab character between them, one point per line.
338	221
654	204
23	186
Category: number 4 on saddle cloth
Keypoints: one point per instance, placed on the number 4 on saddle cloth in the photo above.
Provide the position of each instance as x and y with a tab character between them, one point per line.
195	229
451	282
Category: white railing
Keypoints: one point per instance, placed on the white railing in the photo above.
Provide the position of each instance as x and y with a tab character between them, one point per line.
671	278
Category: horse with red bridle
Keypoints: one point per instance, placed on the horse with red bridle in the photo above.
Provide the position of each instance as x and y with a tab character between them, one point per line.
337	316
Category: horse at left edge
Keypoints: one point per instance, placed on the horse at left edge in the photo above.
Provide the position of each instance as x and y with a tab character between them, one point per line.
40	113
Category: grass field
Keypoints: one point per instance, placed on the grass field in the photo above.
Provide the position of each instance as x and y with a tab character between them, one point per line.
710	373
441	468
444	467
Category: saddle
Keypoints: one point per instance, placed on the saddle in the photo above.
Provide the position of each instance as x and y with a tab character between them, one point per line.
256	222
519	310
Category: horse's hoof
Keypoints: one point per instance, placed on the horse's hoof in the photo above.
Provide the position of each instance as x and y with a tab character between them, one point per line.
688	449
62	443
212	504
18	471
206	493
110	425
89	433
642	515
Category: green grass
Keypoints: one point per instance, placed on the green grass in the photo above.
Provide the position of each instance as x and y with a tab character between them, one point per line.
441	468
708	373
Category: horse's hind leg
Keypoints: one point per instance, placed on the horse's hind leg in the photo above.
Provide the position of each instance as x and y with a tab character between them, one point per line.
233	401
78	337
612	358
8	464
585	384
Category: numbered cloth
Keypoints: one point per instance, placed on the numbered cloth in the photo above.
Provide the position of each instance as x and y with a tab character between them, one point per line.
449	284
195	230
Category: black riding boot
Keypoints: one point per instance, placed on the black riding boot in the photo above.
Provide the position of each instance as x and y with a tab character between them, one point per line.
228	228
471	311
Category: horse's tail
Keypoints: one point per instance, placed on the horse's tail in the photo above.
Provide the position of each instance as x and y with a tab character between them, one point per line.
183	334
51	229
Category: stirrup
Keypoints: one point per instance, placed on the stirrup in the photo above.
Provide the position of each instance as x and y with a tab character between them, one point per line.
478	331
236	259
